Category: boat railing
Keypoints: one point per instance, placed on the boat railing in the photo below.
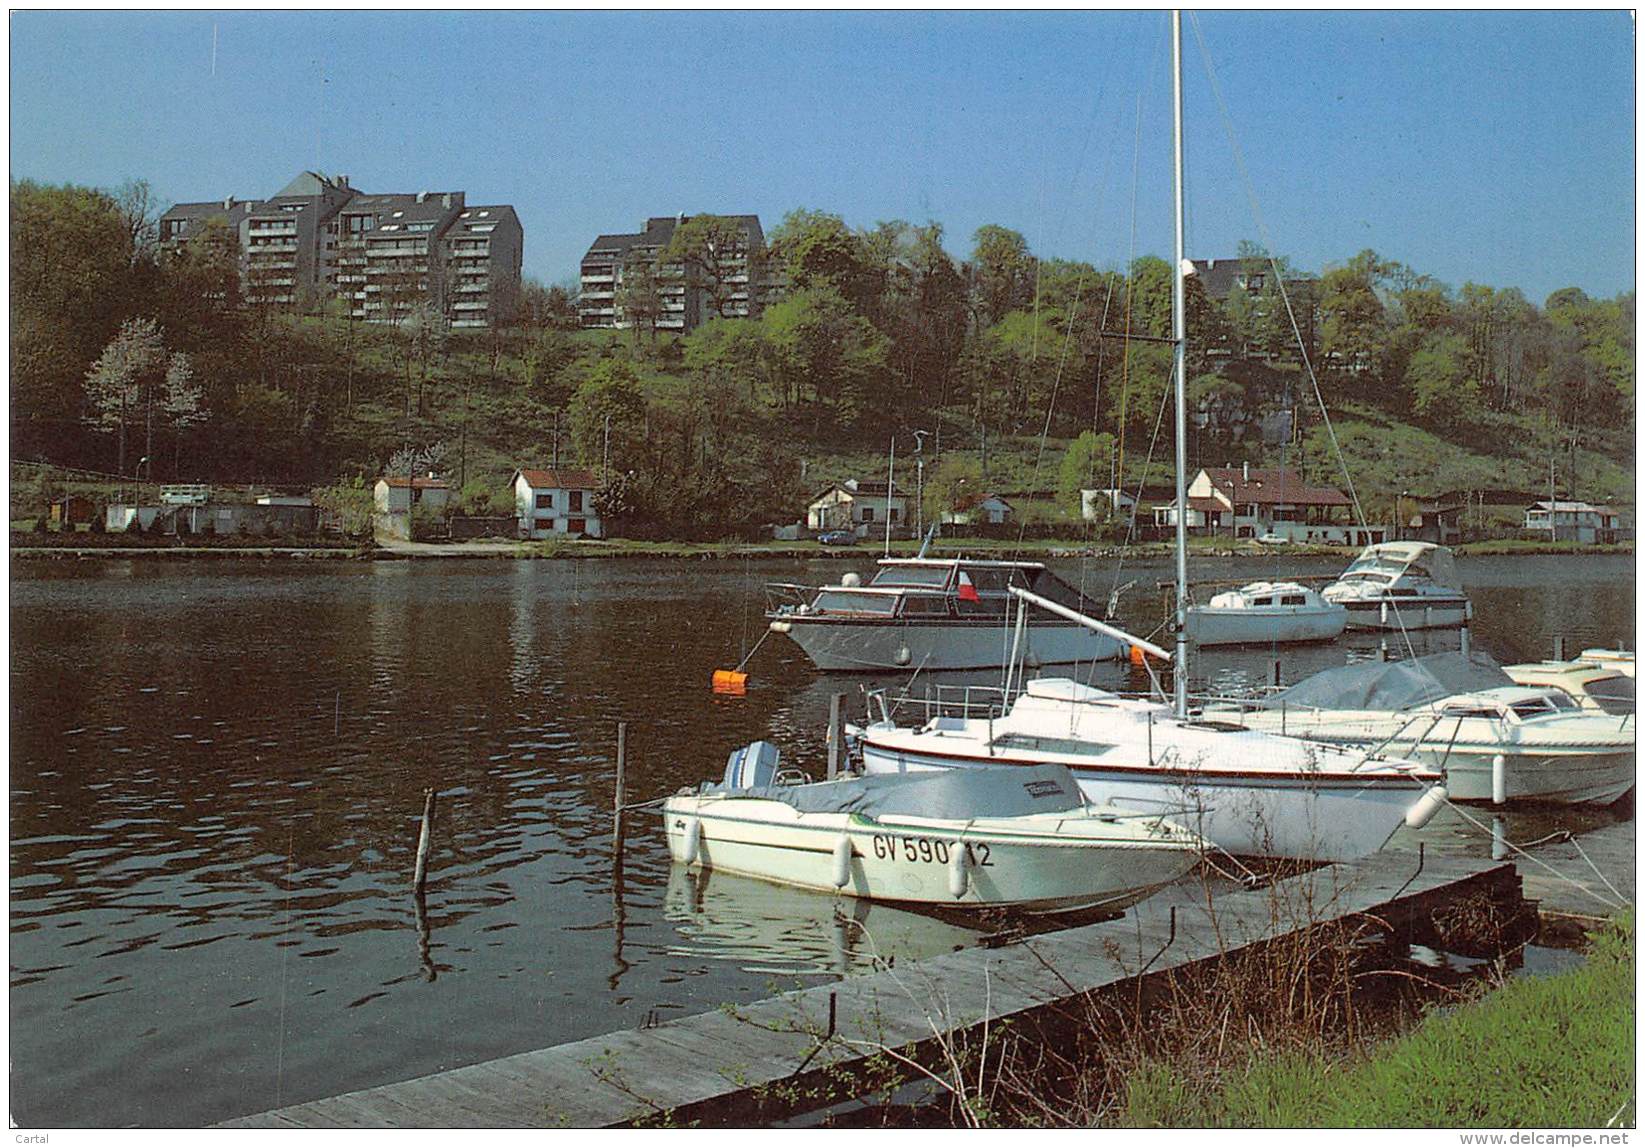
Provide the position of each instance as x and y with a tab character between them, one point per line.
787	597
937	700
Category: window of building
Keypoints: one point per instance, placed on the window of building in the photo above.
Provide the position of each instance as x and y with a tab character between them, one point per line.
543	524
575	526
868	514
545	501
577	500
892	513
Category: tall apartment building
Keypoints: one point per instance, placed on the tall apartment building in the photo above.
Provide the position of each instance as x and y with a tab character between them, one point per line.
625	282
384	255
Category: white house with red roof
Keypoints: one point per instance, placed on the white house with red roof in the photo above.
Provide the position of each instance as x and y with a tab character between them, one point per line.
1253	502
556	503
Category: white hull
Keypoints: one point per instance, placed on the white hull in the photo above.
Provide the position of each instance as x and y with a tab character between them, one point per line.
1535	769
1263	625
912	860
895	644
1291	818
1407	614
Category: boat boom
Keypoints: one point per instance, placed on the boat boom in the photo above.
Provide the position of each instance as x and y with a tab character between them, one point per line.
1091	623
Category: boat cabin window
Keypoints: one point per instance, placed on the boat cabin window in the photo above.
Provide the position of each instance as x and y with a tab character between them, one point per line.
912	576
1293	600
924	606
845	602
994	580
1551	702
1267	600
1461	711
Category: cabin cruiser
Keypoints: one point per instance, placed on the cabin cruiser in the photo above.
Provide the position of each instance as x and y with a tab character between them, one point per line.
1017	838
1263	613
934	614
1401	586
1462	713
1595	687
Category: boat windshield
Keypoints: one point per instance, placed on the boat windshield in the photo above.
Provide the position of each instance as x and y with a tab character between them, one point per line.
845	602
1374	565
1614	695
912	576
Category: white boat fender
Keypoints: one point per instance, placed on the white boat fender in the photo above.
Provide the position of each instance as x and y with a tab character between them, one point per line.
904	655
1499	779
691	848
959	869
842	862
1426	806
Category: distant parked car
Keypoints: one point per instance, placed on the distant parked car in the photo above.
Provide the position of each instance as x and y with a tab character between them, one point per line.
1273	540
837	538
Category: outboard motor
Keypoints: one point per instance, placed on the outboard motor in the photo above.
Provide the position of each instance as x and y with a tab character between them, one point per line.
754	766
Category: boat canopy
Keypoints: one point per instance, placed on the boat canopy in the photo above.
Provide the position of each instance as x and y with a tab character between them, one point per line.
942	794
1393	685
1419	558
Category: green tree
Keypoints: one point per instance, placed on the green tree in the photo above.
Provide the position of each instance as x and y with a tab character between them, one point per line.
951	483
71	285
816	250
823	347
608	416
714	253
1003	272
1086	465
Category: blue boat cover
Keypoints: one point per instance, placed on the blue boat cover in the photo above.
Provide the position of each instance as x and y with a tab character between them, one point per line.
949	794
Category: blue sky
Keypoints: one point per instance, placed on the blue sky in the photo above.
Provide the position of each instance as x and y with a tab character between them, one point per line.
1496	147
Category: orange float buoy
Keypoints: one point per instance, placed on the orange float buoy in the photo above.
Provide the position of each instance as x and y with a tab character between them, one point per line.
730	682
1138	658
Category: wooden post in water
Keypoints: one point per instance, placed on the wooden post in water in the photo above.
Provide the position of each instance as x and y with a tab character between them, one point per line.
421	872
622	794
836	735
1559	648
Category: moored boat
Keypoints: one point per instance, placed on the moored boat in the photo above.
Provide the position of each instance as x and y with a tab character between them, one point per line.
1401	586
1462	713
1263	613
934	614
1024	839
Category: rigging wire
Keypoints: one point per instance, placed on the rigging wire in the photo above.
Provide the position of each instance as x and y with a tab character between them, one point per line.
1279	279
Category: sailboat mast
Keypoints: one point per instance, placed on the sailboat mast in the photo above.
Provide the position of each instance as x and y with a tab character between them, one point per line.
1179	337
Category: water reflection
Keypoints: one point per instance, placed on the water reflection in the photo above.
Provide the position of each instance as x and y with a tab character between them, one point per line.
765	928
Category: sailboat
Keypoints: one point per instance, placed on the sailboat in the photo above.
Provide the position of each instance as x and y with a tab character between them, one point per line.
1247	793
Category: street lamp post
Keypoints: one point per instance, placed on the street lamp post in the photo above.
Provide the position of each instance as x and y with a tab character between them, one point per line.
919	483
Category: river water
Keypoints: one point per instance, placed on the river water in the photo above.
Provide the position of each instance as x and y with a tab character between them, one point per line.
216	784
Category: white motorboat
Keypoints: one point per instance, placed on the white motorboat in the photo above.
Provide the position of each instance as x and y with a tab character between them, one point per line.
1246	793
1025	839
933	614
1263	613
1597	687
1462	713
1401	586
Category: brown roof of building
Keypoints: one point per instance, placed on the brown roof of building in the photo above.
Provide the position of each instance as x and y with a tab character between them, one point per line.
560	479
1267	487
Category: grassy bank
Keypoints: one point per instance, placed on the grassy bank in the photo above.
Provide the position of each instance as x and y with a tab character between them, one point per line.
1554	1051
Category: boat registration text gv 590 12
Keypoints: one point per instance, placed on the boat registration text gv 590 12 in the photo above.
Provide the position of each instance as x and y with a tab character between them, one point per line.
928	849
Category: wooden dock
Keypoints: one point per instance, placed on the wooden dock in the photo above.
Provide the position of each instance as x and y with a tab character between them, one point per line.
1590	875
715	1067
